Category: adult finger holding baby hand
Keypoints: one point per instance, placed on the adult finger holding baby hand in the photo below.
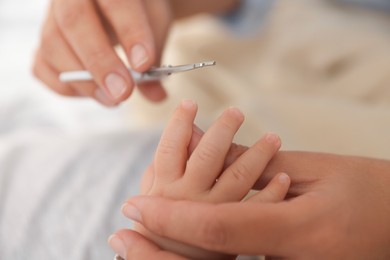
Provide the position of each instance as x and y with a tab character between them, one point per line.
339	209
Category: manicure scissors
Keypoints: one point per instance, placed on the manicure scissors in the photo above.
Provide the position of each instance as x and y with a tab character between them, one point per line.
154	74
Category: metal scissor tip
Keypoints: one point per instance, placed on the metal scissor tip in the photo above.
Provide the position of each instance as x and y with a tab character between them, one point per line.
168	70
205	64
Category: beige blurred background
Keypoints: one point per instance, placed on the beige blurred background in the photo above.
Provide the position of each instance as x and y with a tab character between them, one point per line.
318	74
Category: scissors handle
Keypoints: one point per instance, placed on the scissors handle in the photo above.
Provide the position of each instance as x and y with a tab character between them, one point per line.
82	75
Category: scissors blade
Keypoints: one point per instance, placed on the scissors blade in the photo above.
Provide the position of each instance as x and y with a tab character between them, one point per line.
168	70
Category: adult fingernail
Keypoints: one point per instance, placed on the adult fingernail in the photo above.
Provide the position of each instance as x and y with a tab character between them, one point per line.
131	212
117	244
116	85
138	56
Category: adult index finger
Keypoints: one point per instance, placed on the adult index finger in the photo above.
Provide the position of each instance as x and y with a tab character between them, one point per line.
233	228
81	25
130	23
132	245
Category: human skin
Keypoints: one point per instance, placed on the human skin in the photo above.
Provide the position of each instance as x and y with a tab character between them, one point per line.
80	35
339	208
187	165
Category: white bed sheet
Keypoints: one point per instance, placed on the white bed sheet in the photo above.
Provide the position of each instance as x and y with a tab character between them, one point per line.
66	165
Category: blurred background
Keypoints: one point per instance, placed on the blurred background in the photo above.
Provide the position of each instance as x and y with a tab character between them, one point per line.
317	72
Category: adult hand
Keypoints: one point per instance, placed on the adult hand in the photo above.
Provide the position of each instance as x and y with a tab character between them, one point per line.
79	35
339	209
139	247
181	171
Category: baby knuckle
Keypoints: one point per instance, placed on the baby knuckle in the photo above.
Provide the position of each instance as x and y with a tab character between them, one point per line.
208	152
262	150
167	146
272	194
240	172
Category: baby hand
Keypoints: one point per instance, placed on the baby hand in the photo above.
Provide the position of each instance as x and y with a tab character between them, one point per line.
188	169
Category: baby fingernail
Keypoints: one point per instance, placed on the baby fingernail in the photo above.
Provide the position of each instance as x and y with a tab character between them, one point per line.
117	244
272	138
237	112
131	212
284	178
187	103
